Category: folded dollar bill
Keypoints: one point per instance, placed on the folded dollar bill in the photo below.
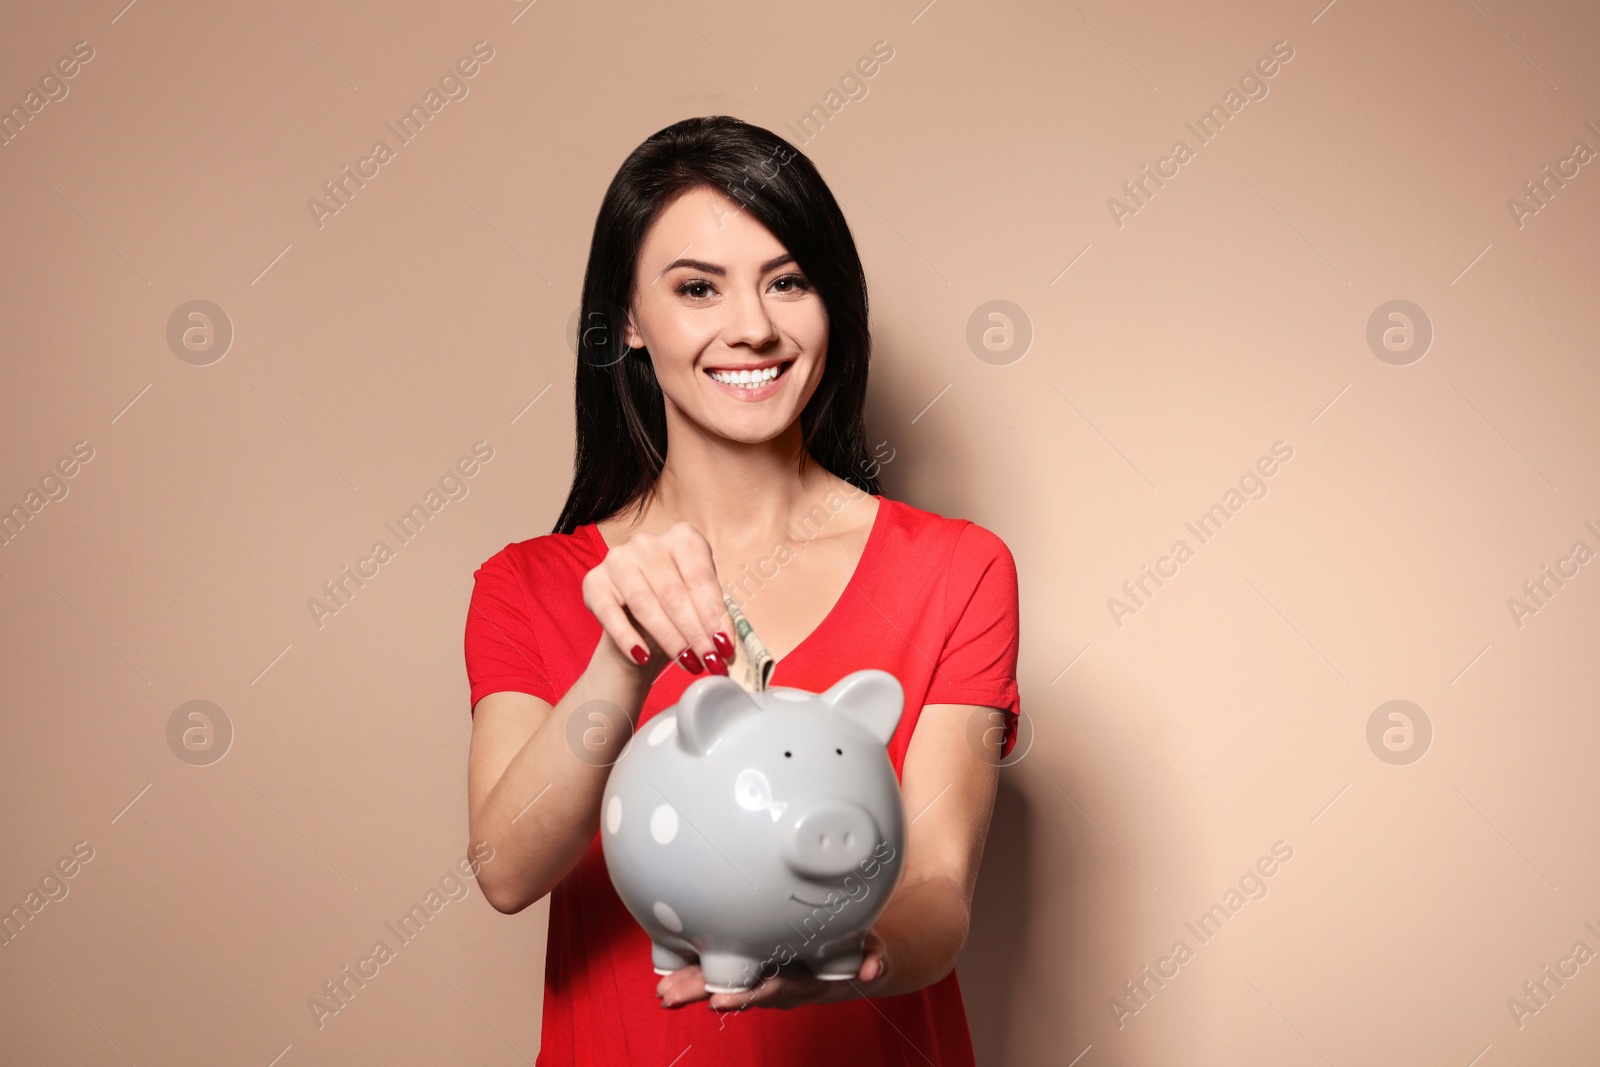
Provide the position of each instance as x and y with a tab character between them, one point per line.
752	664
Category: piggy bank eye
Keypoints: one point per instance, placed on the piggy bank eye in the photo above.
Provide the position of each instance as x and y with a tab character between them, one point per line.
840	751
787	755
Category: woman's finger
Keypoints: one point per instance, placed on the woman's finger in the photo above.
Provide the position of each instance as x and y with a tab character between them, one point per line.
682	986
638	596
875	958
603	600
699	571
767	992
660	566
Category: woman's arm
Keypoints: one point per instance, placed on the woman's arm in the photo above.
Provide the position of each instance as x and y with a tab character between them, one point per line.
529	795
949	795
949	792
535	777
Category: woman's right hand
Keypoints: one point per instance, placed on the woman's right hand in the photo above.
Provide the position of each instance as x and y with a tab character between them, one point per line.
657	597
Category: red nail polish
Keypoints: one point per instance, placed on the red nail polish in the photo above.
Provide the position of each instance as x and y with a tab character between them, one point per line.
689	661
640	656
715	665
724	645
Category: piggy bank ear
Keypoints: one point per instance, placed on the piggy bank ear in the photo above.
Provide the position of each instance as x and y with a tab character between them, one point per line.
871	698
707	708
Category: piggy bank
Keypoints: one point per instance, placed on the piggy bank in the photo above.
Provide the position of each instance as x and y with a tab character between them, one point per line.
749	830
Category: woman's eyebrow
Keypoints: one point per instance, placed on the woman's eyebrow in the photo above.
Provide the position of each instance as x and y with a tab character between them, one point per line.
712	268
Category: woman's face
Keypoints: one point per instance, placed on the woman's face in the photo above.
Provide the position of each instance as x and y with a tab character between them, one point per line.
737	337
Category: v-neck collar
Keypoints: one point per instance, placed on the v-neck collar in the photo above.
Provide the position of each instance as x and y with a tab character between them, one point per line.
874	539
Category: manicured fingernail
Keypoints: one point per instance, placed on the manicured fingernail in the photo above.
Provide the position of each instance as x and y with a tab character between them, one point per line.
724	645
689	661
640	656
715	665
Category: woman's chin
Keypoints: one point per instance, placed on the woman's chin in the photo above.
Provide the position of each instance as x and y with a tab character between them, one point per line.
750	428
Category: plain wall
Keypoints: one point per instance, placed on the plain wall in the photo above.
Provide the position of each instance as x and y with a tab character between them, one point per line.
1169	743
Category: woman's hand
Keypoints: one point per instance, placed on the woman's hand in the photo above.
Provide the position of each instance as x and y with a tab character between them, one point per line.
657	597
793	986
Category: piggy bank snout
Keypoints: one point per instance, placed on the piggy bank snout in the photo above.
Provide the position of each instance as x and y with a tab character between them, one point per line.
830	839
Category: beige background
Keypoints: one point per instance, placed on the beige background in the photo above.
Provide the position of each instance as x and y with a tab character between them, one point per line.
1168	754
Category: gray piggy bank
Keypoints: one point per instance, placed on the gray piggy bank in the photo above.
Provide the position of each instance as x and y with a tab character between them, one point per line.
752	829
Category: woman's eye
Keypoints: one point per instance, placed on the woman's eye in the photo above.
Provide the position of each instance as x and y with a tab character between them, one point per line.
699	289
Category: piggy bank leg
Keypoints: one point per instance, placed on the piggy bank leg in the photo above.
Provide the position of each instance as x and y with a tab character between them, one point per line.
666	960
839	967
838	959
729	972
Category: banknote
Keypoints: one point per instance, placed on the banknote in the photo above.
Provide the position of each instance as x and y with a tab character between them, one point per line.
752	664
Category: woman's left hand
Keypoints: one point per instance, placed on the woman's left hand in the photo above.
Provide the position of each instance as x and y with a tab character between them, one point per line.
793	986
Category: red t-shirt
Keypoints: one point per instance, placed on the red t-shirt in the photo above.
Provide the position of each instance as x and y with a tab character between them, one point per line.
933	601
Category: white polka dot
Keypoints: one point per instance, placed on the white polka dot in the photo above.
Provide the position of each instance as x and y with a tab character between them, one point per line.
663	729
667	917
614	814
664	824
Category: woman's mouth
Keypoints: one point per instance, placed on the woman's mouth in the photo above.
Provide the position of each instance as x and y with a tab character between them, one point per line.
756	384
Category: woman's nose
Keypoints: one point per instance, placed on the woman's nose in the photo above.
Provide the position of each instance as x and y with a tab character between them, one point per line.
748	321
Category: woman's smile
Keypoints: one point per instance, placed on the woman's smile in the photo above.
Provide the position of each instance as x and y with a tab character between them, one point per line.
750	381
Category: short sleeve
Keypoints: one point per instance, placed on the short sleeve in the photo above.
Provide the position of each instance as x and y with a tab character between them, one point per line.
502	649
978	664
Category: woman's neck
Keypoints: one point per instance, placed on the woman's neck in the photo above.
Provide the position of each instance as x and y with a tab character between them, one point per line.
735	494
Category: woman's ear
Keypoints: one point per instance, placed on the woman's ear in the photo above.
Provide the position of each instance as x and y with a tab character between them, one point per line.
630	333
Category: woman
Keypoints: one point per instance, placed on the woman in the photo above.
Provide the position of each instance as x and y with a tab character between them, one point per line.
720	449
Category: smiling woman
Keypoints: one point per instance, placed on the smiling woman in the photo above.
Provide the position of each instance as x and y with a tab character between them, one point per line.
719	396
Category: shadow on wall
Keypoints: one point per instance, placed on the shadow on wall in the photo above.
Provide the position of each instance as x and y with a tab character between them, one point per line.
1061	918
1002	910
938	466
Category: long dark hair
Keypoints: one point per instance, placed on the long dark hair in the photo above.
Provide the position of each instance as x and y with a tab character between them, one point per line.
621	414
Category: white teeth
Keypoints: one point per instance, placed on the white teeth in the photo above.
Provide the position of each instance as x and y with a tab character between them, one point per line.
746	378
